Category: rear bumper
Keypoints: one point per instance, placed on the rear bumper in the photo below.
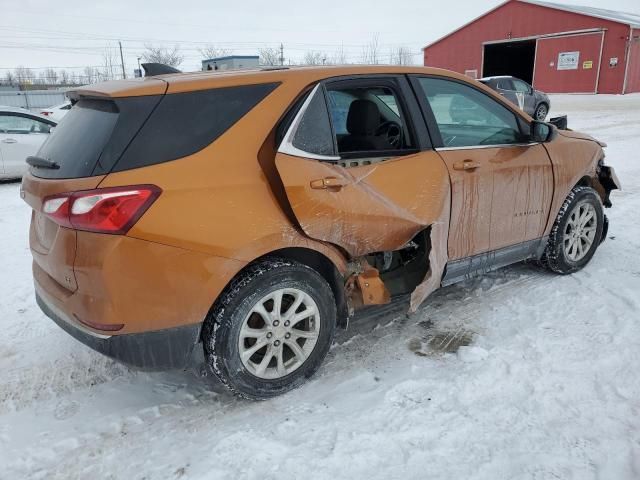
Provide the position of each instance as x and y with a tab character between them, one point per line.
172	348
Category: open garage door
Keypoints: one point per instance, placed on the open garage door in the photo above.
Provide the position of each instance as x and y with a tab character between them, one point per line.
510	58
569	64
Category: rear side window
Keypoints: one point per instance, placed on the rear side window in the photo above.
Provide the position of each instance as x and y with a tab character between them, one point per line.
505	84
185	123
99	136
314	134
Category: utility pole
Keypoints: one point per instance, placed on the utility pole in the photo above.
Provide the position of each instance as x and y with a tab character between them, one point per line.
124	74
281	54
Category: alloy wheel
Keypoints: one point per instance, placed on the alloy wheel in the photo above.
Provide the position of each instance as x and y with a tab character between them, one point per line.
580	231
541	113
279	333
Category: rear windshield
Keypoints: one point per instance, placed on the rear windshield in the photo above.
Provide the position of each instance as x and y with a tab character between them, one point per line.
77	142
100	136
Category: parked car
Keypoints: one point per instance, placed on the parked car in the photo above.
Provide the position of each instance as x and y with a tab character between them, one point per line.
245	216
520	93
57	112
21	134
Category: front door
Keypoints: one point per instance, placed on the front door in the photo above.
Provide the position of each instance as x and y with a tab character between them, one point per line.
501	183
355	171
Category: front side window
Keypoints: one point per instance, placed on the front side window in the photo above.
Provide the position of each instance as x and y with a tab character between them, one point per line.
368	119
521	86
17	124
467	117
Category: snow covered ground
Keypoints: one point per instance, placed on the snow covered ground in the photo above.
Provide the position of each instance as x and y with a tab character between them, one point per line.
518	375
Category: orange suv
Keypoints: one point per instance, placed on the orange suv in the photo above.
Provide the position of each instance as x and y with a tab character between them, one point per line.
246	215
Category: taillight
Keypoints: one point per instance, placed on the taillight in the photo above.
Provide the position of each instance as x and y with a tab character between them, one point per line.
46	114
104	210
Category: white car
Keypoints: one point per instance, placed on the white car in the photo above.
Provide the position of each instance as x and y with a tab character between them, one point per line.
21	134
57	112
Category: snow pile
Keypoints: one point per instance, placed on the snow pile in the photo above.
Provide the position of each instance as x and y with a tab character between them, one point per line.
518	375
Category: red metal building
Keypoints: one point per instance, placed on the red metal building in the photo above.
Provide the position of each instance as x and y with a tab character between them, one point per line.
558	48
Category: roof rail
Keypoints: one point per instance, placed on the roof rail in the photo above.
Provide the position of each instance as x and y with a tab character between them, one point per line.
272	68
152	69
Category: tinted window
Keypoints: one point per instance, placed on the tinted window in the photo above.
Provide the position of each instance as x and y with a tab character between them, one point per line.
313	134
505	84
468	117
93	135
77	142
185	123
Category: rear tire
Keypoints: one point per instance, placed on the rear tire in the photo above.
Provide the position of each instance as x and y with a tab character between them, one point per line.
576	233
259	350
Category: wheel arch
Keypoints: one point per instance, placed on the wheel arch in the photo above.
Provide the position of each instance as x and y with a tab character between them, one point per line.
324	266
314	259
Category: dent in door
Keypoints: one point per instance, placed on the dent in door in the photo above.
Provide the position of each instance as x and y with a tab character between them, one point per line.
373	208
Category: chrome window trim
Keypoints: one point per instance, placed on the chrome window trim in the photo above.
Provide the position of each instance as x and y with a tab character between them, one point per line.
498	145
287	147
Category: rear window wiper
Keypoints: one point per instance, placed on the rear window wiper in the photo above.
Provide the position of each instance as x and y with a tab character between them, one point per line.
39	162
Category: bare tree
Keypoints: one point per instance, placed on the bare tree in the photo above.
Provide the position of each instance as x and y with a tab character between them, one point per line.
24	76
51	76
164	55
314	58
371	51
9	78
401	56
339	57
42	79
210	51
64	77
269	56
91	75
110	63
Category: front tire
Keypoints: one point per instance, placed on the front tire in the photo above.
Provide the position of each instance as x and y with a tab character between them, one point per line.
541	112
270	329
576	233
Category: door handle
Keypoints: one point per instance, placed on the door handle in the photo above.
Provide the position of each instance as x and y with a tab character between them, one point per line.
329	183
465	165
9	140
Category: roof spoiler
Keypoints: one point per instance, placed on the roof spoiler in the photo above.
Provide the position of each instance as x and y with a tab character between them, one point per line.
153	69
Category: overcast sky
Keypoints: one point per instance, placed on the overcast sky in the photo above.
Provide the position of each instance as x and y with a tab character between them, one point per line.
75	33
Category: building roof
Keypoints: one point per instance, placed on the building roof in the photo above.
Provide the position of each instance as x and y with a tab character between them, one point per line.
631	19
626	18
232	57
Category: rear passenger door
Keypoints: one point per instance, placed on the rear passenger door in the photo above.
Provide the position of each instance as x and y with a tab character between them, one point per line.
501	183
358	168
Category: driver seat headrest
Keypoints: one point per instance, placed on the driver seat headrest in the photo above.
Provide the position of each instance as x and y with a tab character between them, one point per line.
363	117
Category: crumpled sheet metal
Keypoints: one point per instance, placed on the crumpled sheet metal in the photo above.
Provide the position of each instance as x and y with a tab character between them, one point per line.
374	208
437	261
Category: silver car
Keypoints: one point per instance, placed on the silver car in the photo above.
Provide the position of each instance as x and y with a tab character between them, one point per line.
21	134
519	92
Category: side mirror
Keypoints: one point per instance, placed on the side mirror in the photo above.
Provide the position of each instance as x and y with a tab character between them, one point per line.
542	132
